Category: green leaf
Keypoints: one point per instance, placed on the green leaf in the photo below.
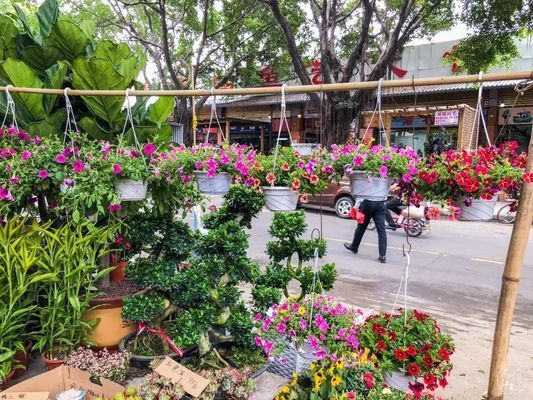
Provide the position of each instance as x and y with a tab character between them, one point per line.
74	302
8	32
150	134
107	50
19	74
161	110
40	58
54	80
76	216
47	16
93	128
100	74
49	126
24	21
70	38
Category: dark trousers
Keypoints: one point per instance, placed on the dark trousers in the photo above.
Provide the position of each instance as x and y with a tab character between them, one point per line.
393	205
376	210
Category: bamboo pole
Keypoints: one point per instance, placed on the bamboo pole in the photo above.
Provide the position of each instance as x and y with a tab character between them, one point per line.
331	87
193	102
510	283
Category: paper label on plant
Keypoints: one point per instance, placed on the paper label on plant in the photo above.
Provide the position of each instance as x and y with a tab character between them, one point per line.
192	383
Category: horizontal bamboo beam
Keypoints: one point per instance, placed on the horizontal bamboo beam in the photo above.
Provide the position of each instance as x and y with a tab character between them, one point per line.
331	87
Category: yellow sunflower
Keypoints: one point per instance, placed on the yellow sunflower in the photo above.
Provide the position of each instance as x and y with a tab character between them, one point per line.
336	381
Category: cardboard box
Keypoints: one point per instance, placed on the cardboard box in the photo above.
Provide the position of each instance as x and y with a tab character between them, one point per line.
61	379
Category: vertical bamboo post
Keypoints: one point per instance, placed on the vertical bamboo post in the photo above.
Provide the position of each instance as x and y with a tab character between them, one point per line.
194	120
510	283
262	139
228	131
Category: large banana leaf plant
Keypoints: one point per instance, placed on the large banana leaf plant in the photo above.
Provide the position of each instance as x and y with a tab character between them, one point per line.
59	52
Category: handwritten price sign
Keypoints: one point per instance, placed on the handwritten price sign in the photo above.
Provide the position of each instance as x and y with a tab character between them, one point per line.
191	382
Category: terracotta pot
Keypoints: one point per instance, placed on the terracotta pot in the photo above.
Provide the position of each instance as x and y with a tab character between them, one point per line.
119	273
110	329
50	362
5	385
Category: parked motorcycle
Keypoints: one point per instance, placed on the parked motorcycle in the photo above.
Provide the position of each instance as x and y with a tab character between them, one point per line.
412	220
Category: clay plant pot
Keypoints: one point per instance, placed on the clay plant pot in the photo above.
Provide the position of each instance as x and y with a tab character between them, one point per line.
119	273
110	329
21	359
52	361
6	383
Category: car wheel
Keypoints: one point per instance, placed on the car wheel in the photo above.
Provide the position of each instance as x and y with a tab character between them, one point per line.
343	206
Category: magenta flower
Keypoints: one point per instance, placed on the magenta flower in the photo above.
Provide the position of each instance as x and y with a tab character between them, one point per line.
358	161
186	178
43	174
106	148
407	178
114	207
5	194
61	159
37	140
69	182
198	165
385	157
78	166
383	171
303	325
15	180
117	169
148	149
25	155
281	327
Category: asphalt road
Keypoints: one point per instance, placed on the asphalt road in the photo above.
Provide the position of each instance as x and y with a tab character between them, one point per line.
455	274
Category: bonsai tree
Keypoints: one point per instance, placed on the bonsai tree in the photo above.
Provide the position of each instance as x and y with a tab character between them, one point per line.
288	255
199	301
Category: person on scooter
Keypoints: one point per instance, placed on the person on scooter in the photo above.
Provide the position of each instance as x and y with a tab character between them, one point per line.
394	204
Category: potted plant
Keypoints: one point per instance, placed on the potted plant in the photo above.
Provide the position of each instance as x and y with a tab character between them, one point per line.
295	333
70	254
468	181
372	169
285	174
288	248
410	348
129	169
197	303
112	366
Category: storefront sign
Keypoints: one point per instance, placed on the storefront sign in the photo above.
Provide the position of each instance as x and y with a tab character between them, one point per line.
399	123
447	117
516	116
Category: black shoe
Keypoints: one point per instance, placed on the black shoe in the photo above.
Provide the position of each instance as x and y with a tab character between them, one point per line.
382	259
349	247
390	227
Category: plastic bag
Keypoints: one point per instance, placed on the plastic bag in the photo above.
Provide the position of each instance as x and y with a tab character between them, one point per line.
357	215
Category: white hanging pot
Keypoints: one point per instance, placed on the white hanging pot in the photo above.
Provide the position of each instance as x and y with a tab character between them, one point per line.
292	359
397	380
305	149
280	198
371	188
218	184
63	187
130	190
479	210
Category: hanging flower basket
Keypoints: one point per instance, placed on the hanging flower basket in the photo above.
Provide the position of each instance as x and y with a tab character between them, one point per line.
130	190
397	380
218	184
371	188
477	210
280	198
305	149
292	359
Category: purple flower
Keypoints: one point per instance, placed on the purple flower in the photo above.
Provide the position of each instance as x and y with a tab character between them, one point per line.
37	140
148	149
61	159
186	178
281	327
358	161
303	325
385	157
69	182
78	166
15	180
5	194
407	178
224	159
320	354
25	155
198	165
383	171
258	341
106	148
114	207
117	169
43	174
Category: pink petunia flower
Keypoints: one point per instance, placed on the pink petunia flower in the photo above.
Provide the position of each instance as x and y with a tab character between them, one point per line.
78	166
43	174
25	155
61	159
148	149
114	207
117	169
383	170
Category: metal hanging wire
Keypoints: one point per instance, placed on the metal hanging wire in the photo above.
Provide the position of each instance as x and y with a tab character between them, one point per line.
129	119
215	115
10	106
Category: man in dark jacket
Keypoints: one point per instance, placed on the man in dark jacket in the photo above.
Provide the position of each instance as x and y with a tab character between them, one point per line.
376	210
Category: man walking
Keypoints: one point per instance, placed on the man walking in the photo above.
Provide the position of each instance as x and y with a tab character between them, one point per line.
376	210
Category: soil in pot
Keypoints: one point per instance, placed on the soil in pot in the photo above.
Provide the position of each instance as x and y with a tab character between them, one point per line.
110	329
53	359
150	347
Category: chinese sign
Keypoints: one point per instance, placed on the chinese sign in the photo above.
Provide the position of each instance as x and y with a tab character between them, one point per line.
516	116
447	117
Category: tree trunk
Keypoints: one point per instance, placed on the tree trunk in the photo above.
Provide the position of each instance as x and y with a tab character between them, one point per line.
183	115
